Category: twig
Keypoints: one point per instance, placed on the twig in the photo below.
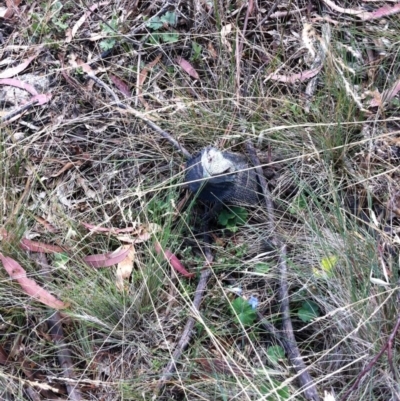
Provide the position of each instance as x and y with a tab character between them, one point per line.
18	110
306	382
264	187
318	63
140	116
287	338
57	335
269	13
387	346
187	332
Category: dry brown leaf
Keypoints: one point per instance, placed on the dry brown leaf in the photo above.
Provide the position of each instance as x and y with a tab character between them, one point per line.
121	85
12	7
81	20
10	72
35	246
211	50
29	286
187	67
50	228
300	77
106	259
174	261
384	11
386	95
225	31
124	268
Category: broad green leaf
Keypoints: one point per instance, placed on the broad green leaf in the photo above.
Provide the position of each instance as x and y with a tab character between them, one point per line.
262	267
154	23
308	311
170	37
169	18
275	353
328	263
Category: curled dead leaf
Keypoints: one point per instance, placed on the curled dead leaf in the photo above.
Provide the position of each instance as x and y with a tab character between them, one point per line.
35	246
174	261
107	259
29	286
124	268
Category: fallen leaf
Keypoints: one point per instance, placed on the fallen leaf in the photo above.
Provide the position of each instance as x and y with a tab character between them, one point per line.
19	84
225	31
365	15
386	95
121	85
12	7
174	261
10	72
187	67
41	98
50	228
35	246
106	259
81	20
124	268
29	286
111	230
300	77
66	167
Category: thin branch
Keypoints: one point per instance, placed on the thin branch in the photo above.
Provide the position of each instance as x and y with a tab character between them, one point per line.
140	116
57	335
387	346
287	338
188	330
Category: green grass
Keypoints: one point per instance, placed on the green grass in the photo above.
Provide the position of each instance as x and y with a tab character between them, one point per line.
122	174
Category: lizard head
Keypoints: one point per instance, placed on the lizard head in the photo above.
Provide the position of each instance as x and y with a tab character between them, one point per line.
214	163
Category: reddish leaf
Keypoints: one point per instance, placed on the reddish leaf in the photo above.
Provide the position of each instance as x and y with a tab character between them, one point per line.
174	261
35	246
29	286
121	85
187	67
386	96
3	356
300	77
111	230
10	72
365	15
41	98
106	259
46	224
19	84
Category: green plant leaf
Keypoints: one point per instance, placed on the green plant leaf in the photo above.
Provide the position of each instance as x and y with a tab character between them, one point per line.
262	267
154	23
275	353
196	48
169	18
240	214
224	217
107	44
308	311
245	313
328	263
283	393
169	37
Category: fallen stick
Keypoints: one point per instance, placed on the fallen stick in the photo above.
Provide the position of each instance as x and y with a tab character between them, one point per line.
187	331
287	338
